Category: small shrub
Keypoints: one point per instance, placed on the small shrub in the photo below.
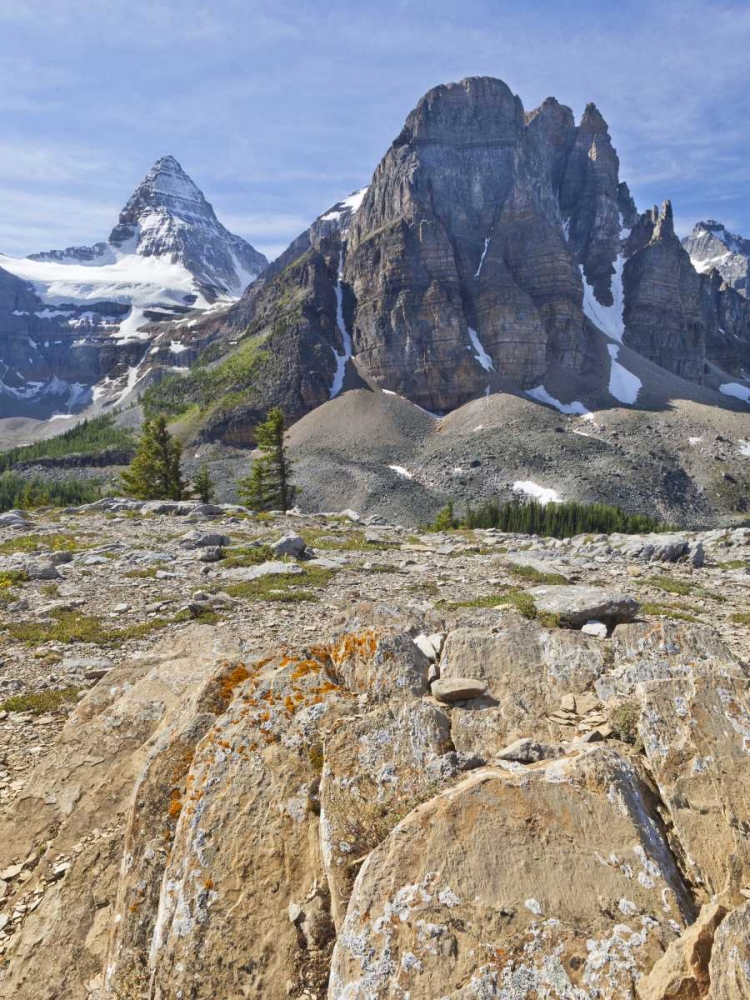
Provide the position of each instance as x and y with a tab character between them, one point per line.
624	721
741	617
39	702
531	573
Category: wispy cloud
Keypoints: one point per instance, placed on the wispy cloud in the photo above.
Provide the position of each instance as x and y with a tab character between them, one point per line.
278	110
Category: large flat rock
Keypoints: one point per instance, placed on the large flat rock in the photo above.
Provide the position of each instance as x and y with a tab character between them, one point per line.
576	605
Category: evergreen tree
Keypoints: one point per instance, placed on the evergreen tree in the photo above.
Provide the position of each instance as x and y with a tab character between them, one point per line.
155	473
204	485
268	485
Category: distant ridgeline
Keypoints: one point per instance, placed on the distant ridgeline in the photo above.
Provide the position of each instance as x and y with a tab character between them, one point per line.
87	439
84	444
555	520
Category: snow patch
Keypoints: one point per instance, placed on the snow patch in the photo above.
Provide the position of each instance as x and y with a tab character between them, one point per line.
177	348
736	390
484	254
623	385
401	471
744	448
543	494
607	318
345	356
481	355
541	395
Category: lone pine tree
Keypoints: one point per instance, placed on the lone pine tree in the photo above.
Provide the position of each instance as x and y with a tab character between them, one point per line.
204	485
268	485
154	473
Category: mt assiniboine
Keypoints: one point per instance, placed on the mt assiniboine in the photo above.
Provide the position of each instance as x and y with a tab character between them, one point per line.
77	324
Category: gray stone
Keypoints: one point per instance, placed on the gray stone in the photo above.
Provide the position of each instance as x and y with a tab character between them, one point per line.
289	545
202	540
42	569
577	605
597	629
529	751
458	689
211	553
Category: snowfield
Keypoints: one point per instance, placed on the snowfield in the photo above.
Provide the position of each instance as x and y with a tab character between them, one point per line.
542	494
623	385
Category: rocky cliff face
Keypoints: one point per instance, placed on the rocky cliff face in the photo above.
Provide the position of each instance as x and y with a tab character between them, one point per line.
662	313
489	248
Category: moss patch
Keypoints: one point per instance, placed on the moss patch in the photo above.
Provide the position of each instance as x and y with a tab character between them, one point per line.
40	702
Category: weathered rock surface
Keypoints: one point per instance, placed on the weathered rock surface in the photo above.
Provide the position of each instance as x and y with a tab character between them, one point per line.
730	959
527	669
696	731
577	605
212	809
459	901
682	972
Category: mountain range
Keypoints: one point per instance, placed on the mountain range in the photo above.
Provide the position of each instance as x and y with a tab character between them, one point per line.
496	257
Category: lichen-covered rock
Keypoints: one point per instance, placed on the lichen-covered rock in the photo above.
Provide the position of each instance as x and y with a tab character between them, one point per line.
646	651
85	787
245	878
730	958
380	665
376	770
696	732
556	882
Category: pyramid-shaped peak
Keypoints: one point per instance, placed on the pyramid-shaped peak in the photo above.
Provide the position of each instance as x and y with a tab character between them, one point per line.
167	177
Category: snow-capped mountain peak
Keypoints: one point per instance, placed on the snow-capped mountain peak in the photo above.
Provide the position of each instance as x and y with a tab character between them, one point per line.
711	246
168	216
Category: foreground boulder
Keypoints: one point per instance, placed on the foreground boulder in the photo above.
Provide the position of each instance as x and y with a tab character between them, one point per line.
574	606
557	882
77	802
696	732
729	971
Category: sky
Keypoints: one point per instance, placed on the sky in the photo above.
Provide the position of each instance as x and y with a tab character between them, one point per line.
279	109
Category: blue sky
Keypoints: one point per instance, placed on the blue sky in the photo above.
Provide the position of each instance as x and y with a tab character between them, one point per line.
277	110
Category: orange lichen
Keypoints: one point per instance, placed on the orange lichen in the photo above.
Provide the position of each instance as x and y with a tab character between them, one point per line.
175	804
362	644
232	680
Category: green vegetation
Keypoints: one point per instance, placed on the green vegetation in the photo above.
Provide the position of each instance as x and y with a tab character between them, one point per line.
667	611
670	585
268	486
72	626
40	702
555	520
154	473
37	543
734	564
536	575
624	721
90	437
18	492
204	485
513	597
279	587
682	587
248	555
210	384
741	617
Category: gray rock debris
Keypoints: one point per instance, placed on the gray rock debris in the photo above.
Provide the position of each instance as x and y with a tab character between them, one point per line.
575	606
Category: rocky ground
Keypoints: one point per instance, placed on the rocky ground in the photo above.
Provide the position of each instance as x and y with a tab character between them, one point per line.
320	755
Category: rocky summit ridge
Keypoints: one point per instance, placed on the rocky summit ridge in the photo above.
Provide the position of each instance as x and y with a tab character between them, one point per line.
321	756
